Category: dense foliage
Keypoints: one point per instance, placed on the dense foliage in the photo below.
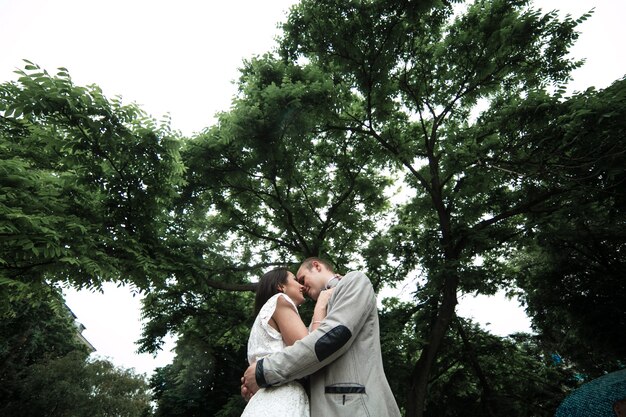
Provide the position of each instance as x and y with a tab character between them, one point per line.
85	184
571	272
425	142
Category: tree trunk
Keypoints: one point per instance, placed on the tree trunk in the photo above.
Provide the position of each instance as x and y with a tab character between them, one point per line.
419	377
487	392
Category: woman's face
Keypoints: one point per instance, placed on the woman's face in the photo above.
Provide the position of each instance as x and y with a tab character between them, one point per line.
293	289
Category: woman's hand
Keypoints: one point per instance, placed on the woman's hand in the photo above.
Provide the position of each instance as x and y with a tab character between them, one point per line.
319	312
322	299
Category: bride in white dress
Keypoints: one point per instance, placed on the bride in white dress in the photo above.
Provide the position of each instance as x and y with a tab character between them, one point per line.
276	326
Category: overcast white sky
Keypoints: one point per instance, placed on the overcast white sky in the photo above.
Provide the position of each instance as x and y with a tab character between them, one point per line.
181	57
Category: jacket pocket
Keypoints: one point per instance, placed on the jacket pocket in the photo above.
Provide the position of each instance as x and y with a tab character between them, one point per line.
345	393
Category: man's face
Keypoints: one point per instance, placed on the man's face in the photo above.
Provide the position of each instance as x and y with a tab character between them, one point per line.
312	279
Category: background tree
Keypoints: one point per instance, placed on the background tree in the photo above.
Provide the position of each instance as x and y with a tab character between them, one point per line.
204	376
33	327
44	367
479	374
203	379
73	385
571	271
85	183
476	373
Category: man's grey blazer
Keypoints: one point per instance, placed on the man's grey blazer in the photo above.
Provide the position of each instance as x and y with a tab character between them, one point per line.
342	356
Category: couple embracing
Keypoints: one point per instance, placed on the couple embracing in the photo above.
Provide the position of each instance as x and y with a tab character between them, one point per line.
339	352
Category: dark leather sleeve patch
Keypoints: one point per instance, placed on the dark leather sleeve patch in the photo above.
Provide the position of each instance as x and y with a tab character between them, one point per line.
259	375
331	342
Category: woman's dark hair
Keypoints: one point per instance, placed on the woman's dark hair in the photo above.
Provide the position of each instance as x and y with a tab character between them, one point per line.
268	286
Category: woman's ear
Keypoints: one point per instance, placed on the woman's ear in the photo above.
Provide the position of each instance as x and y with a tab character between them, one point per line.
280	288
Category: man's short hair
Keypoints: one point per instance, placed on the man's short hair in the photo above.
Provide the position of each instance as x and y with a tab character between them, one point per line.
308	261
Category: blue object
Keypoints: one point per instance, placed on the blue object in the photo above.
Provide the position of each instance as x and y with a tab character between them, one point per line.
595	398
556	359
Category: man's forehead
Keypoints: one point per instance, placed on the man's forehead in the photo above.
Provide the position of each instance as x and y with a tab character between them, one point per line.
300	273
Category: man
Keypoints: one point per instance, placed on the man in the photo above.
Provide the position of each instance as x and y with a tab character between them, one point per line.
342	356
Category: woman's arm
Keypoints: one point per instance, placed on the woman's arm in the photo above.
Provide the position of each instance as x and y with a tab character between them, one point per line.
288	322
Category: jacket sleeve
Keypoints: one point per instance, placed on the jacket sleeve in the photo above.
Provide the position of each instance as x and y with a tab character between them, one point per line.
349	308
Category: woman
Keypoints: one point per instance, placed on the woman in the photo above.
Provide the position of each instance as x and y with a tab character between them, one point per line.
276	326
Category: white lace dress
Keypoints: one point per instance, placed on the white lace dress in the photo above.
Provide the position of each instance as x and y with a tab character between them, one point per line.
288	400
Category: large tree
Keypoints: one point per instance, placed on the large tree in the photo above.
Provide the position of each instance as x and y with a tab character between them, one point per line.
434	90
266	187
